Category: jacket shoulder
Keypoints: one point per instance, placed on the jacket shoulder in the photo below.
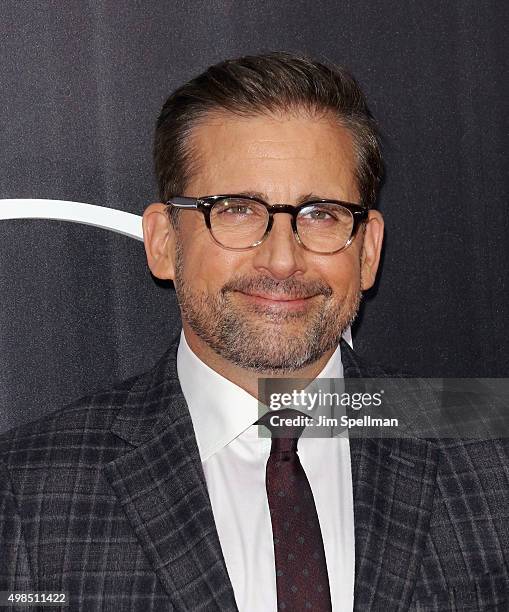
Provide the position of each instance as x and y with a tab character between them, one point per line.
356	366
84	421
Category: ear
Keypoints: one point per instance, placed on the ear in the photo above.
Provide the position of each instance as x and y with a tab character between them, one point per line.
371	248
159	240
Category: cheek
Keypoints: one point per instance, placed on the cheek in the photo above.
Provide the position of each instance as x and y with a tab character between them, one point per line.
207	267
342	274
199	253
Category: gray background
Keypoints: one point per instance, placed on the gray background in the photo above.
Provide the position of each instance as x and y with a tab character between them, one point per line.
81	85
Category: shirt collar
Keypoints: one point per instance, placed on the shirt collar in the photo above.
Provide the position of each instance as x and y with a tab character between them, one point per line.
220	410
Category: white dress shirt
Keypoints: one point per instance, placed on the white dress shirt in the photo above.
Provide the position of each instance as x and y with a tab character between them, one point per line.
234	459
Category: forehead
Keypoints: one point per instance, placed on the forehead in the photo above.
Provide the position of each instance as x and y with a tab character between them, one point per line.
281	154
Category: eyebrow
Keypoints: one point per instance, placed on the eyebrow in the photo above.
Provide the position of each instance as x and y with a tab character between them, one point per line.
263	196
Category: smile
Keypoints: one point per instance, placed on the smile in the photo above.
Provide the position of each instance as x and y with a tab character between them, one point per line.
278	302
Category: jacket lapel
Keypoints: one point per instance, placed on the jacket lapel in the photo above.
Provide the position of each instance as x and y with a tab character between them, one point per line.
393	488
161	487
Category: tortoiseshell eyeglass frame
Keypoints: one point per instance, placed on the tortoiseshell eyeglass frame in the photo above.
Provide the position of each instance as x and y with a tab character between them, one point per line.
205	204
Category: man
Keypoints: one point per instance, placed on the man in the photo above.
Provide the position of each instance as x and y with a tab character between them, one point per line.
159	494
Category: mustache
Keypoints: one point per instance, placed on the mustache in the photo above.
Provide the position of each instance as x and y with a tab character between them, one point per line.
289	287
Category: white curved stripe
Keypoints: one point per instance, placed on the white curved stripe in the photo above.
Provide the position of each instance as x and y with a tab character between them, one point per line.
99	216
59	210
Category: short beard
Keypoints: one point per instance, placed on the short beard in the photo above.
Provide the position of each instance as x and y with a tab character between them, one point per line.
261	346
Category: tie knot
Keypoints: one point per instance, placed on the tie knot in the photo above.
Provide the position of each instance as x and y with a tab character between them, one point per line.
285	426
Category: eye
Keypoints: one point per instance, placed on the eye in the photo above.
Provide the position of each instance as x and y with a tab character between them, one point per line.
319	215
238	209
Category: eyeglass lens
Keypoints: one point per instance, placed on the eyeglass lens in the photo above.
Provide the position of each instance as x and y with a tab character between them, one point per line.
240	223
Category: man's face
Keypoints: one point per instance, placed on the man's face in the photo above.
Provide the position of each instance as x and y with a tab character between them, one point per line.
284	160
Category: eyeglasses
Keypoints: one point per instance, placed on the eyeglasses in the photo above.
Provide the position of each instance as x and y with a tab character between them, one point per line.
239	222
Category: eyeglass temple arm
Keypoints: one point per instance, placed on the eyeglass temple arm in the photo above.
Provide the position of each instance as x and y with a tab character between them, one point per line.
182	202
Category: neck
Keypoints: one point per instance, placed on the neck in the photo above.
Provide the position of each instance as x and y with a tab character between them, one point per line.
244	378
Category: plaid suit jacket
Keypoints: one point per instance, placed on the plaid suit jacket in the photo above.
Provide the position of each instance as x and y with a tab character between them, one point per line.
106	499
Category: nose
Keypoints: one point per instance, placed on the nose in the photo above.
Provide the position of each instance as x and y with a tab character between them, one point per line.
280	255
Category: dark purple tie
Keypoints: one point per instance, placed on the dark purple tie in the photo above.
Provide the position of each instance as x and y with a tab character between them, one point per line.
301	570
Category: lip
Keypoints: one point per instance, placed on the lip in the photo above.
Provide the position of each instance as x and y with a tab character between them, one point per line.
278	301
277	298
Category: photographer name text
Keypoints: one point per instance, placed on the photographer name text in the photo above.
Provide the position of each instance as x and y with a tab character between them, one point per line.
323	421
